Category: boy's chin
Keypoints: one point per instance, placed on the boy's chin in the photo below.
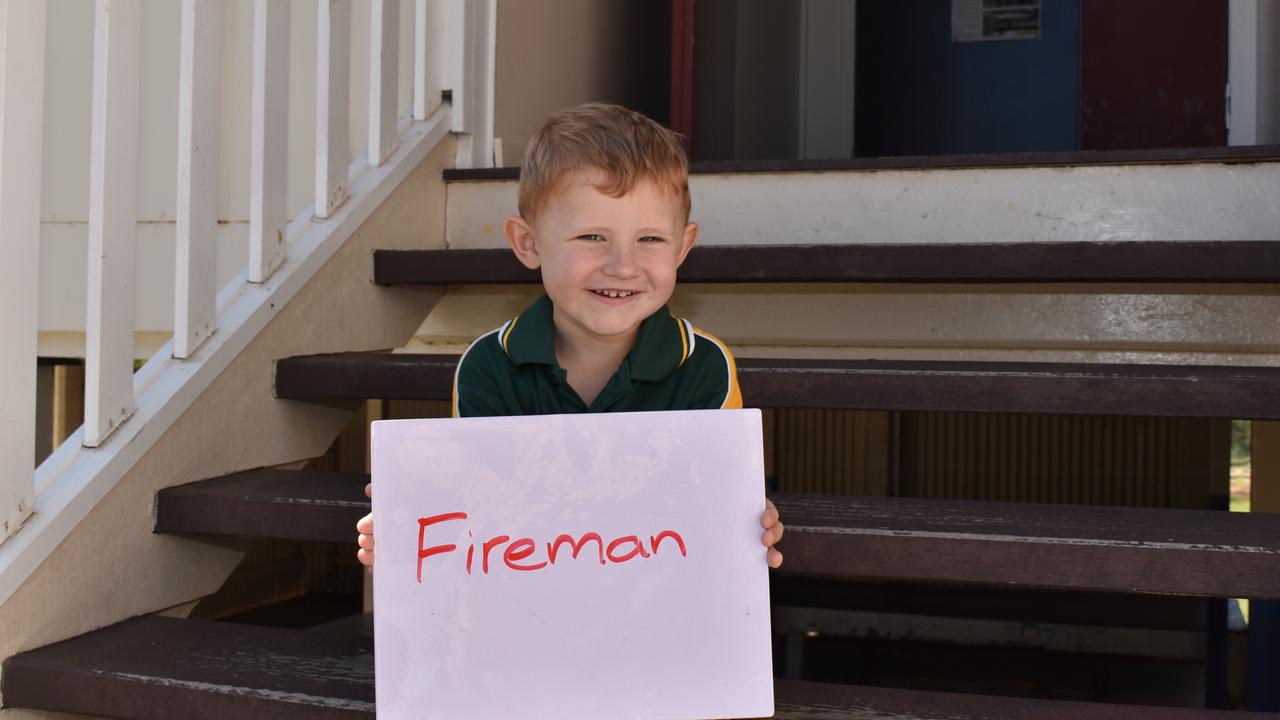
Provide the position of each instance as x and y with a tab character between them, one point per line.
624	325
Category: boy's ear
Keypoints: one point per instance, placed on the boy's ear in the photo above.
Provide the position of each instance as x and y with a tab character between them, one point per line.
687	240
523	244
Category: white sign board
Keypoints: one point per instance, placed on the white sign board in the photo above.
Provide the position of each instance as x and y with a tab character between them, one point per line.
571	566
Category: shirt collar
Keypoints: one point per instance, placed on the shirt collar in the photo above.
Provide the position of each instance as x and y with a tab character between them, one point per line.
662	343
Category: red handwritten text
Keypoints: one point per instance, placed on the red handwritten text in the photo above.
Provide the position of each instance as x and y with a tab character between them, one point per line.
518	554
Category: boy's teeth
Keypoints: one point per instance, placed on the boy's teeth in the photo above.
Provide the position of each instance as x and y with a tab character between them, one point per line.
614	293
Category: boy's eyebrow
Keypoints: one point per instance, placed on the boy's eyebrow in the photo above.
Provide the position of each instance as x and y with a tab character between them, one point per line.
601	230
589	230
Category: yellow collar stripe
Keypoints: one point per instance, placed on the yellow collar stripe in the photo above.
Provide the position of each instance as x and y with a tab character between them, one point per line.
507	335
684	340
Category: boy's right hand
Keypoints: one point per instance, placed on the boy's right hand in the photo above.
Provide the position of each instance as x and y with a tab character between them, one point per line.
365	528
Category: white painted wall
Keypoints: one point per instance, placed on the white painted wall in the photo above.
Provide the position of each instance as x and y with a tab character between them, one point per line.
554	54
65	187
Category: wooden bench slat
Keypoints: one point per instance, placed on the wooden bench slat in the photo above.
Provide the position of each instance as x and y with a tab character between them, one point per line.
943	386
282	504
1064	547
153	668
1058	262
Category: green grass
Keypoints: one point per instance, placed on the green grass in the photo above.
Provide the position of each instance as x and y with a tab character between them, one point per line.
1240	476
1241	472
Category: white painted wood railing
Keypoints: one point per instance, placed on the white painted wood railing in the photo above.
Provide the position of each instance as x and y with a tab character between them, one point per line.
22	33
452	51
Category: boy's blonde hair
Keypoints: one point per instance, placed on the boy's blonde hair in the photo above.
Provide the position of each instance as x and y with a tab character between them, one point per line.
623	144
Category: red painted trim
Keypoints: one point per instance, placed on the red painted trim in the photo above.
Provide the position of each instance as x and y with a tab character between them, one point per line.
682	71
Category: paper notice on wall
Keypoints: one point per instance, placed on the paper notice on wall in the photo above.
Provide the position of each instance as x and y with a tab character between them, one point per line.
571	566
979	20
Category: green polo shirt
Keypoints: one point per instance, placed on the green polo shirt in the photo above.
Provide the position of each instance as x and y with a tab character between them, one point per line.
513	370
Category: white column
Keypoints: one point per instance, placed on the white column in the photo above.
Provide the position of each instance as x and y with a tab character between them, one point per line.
269	141
384	79
195	275
332	51
113	203
22	38
1242	72
473	102
486	66
428	28
453	59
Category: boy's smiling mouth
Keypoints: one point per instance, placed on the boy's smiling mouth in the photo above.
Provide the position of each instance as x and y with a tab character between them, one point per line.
615	294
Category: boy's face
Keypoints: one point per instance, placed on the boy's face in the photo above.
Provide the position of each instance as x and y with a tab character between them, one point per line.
607	263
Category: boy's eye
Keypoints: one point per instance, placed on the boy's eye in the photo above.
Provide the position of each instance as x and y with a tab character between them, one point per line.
591	236
652	238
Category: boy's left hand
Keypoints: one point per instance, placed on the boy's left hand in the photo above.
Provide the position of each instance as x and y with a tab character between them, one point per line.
772	532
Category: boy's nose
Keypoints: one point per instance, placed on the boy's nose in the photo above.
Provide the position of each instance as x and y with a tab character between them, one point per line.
621	261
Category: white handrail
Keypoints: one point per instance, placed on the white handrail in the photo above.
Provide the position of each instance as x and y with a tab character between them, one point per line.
22	39
68	485
113	215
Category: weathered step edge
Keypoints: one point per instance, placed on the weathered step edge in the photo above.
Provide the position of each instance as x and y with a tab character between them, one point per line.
1244	261
279	504
1058	547
1063	547
1239	392
153	668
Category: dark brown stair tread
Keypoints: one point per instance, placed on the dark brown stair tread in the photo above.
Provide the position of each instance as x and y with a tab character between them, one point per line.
1073	158
361	375
153	668
1036	262
829	701
1241	392
284	504
1067	547
1185	552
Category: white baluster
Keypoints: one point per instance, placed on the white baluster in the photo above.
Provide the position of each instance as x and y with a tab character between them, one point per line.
452	37
22	39
268	175
384	81
195	276
332	51
428	26
113	212
473	100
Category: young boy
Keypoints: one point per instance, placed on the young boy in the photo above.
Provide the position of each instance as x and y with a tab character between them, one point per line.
604	213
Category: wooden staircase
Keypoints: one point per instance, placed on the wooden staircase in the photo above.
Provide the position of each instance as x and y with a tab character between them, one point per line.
151	667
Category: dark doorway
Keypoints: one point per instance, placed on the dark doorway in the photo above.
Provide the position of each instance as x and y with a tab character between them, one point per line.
1072	75
921	92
